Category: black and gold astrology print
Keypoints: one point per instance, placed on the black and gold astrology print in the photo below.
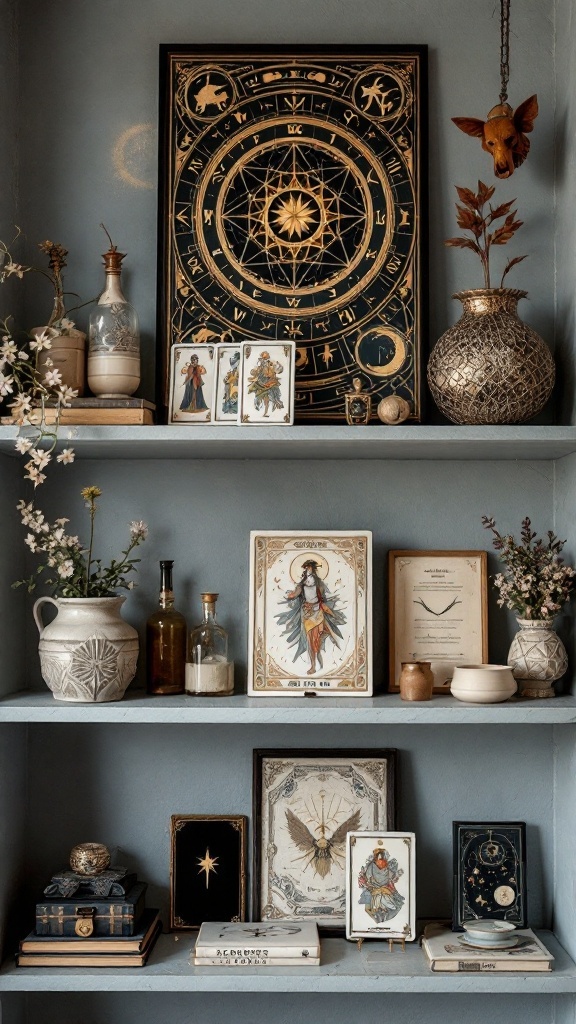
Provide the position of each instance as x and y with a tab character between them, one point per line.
292	209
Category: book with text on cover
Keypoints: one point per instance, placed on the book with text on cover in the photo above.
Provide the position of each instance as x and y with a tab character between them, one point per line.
448	951
258	944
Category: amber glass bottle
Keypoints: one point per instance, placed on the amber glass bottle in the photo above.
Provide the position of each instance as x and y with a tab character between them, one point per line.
166	641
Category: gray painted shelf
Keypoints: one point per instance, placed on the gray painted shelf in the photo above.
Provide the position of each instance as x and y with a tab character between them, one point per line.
343	969
242	710
314	442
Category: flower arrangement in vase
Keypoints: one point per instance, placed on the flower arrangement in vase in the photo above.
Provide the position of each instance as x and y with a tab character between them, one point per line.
489	367
56	350
535	584
88	653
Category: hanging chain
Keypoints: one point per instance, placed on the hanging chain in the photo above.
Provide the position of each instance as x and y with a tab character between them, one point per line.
504	49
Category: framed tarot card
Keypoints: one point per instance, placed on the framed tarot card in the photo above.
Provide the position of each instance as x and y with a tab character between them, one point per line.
489	872
226	389
267	383
381	885
192	377
305	803
207	869
292	207
310	627
438	611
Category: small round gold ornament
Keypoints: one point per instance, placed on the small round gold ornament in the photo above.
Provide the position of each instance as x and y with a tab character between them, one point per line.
90	858
393	410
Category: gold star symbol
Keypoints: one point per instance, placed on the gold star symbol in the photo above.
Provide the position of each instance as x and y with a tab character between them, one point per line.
207	864
295	216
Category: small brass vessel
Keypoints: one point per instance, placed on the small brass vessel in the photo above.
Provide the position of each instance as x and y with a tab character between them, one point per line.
89	858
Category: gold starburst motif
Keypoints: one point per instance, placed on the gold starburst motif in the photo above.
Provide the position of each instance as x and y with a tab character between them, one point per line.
295	215
207	864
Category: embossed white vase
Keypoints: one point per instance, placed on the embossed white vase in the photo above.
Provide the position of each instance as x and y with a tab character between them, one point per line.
537	658
88	654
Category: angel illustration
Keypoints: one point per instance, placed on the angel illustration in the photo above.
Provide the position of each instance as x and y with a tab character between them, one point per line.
380	898
323	852
312	617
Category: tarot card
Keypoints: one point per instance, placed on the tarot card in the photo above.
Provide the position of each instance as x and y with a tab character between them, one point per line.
228	359
381	885
310	613
192	377
267	383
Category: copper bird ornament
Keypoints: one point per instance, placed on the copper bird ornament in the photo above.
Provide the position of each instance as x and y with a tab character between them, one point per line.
503	133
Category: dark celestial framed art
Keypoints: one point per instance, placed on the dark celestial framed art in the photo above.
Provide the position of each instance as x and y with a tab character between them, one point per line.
292	207
489	872
305	803
208	869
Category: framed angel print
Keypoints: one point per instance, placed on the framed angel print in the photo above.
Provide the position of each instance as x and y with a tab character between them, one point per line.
438	611
207	869
292	207
310	621
381	885
305	803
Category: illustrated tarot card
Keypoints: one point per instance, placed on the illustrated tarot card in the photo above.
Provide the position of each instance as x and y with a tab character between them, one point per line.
489	872
305	803
228	358
208	869
192	376
267	382
310	624
381	885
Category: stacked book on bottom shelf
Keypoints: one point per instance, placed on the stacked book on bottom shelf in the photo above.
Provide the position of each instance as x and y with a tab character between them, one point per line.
257	944
446	950
92	921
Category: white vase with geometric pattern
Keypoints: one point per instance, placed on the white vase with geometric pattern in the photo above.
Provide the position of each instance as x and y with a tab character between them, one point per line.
88	653
537	658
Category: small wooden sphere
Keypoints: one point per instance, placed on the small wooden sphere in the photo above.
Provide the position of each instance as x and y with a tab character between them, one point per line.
393	410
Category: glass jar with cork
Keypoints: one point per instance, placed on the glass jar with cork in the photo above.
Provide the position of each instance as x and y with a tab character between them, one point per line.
209	673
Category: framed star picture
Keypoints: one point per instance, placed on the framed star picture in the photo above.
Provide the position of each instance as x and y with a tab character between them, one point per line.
208	872
305	804
292	208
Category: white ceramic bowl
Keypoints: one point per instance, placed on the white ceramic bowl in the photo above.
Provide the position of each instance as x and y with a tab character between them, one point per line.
488	930
483	684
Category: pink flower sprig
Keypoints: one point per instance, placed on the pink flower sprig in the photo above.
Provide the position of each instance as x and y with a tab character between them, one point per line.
536	582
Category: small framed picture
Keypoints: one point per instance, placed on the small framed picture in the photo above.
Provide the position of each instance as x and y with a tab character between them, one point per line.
489	872
305	803
381	885
226	391
438	611
208	871
192	379
310	621
267	383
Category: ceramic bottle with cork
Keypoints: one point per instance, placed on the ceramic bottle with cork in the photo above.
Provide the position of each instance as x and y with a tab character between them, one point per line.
114	336
209	673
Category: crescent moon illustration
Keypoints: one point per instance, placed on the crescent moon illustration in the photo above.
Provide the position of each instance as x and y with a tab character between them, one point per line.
133	151
397	360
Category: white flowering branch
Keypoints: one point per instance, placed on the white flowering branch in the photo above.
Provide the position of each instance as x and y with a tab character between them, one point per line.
536	582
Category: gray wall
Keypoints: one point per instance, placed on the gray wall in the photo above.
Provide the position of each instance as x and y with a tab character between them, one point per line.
565	182
100	98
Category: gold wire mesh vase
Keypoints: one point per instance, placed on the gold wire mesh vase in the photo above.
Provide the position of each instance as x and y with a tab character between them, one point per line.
490	367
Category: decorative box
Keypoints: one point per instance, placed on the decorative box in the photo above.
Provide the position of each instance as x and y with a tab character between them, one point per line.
86	917
113	882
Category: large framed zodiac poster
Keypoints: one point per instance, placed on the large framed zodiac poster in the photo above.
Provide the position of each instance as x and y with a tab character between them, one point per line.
292	208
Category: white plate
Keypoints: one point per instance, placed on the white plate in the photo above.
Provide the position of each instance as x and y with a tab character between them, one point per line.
506	943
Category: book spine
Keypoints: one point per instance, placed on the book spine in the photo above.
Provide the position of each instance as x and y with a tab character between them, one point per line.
250	961
278	952
490	966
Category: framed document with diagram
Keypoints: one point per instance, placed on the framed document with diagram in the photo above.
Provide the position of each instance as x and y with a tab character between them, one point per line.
437	611
310	626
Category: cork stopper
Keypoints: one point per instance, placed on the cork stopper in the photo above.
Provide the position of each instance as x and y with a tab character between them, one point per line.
113	260
209	598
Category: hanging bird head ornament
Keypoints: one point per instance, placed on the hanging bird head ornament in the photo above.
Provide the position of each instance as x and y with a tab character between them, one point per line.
504	132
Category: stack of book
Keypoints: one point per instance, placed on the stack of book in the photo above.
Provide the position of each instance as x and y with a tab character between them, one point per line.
104	411
258	944
96	951
451	951
92	921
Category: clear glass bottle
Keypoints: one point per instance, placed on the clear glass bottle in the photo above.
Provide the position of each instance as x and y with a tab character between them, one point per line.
166	641
114	337
208	671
